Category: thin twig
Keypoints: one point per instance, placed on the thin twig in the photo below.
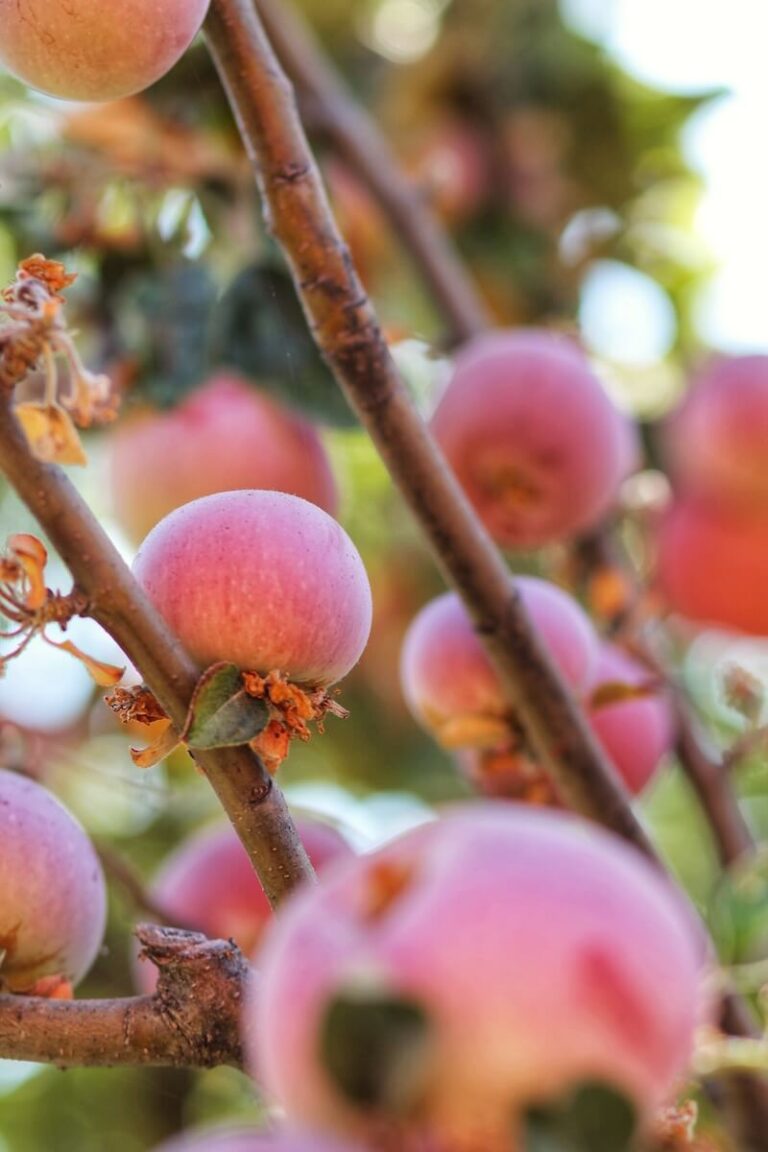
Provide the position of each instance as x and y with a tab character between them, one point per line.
360	141
254	805
122	874
710	780
349	337
706	771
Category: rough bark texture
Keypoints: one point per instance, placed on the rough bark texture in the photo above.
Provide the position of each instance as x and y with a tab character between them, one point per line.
192	1020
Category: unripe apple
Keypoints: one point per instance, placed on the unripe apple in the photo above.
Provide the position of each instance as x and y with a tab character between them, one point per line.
226	435
254	1140
52	894
208	885
532	436
475	967
712	566
636	732
88	50
716	441
449	682
263	580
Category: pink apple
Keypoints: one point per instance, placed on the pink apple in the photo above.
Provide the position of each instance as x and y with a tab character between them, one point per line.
224	436
52	895
638	732
253	1140
507	954
716	442
449	682
533	437
208	884
263	580
712	566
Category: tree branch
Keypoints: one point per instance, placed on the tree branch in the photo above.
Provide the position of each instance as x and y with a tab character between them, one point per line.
348	335
358	139
705	769
192	1020
709	778
254	805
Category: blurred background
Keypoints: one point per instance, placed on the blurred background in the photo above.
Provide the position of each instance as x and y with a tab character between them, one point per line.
600	167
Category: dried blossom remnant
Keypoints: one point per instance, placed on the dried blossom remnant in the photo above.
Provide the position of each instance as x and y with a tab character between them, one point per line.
33	333
31	606
292	709
511	774
50	433
743	692
674	1130
139	706
51	273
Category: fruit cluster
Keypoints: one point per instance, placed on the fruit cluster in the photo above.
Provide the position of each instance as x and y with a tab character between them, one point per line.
490	973
713	541
456	693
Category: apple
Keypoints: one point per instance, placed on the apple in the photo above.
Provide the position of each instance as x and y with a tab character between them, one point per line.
225	435
712	566
533	437
88	50
264	580
449	682
53	902
474	968
716	441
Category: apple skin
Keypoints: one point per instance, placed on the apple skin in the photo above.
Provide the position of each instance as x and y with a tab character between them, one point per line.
716	442
543	953
252	1140
535	441
263	580
208	885
86	50
449	682
635	734
53	903
712	566
224	436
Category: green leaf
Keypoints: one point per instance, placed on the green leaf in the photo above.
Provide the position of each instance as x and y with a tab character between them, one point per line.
163	322
375	1047
222	714
259	328
596	1117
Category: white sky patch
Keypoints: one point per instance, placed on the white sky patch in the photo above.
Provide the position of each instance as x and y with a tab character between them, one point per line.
690	46
624	315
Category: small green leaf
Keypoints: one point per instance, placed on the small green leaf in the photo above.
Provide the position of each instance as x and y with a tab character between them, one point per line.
163	320
259	327
222	714
375	1047
594	1118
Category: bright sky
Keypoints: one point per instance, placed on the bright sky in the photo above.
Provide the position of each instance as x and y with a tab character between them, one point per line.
689	46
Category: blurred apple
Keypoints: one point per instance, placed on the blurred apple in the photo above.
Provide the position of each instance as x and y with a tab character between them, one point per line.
226	435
